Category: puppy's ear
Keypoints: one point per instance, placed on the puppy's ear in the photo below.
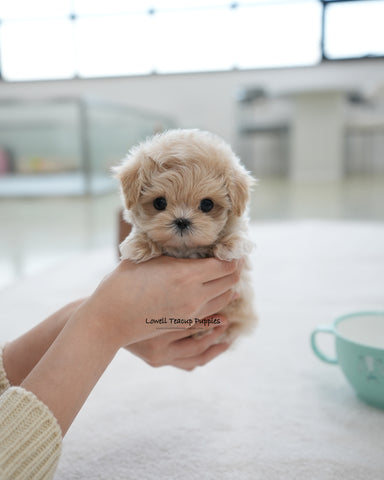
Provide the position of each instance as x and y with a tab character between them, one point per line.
132	174
239	187
128	173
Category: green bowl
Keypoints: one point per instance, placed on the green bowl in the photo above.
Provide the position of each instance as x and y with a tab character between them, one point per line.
359	342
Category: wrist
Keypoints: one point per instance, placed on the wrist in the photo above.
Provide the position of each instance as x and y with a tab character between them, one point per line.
98	324
71	367
22	354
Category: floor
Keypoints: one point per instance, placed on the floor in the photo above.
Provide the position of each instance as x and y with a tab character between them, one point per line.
39	233
359	198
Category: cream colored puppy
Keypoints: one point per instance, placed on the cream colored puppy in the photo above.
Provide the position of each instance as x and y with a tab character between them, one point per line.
186	194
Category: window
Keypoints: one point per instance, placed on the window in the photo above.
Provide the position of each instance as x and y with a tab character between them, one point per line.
37	49
193	40
47	39
277	35
354	29
113	45
28	10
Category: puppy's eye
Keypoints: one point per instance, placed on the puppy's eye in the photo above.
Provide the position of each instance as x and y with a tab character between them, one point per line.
160	203
206	205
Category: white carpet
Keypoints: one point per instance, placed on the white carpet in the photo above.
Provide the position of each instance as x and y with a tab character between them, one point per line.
268	409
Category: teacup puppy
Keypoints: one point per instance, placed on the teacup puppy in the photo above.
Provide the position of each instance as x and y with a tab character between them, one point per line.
186	193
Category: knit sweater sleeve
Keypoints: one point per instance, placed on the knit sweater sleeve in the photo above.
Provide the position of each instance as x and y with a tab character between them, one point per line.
4	382
30	436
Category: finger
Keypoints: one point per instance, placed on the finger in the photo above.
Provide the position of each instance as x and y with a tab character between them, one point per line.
216	304
199	360
217	287
193	346
213	268
204	325
175	335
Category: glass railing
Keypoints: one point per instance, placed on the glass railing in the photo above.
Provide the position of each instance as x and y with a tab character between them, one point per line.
67	146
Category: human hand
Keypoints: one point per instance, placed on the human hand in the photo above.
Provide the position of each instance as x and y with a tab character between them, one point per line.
163	287
181	349
115	316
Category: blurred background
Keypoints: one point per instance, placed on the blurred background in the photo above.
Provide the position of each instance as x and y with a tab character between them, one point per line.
297	88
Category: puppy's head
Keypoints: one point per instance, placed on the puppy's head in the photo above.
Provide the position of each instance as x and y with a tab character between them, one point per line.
182	186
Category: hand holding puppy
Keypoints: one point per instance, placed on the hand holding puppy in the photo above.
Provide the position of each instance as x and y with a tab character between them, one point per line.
181	350
73	356
166	287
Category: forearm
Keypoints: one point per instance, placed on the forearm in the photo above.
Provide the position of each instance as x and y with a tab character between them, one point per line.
21	355
71	367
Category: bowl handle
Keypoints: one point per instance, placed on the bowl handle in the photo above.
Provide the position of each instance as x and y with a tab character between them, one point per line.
322	329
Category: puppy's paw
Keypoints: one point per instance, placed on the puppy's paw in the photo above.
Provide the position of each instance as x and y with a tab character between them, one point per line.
232	248
138	249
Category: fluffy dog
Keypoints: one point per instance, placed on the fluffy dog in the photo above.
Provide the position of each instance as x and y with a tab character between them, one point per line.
186	194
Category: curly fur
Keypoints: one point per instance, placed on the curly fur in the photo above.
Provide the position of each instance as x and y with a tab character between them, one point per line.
184	167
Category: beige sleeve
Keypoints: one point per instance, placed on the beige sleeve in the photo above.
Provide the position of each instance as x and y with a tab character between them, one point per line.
30	437
4	383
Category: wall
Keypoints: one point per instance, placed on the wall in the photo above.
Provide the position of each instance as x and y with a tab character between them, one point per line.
205	100
209	101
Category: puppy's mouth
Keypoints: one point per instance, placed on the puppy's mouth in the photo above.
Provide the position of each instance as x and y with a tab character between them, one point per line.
180	234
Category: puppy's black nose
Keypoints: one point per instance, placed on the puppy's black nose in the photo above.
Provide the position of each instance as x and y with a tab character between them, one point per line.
182	223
